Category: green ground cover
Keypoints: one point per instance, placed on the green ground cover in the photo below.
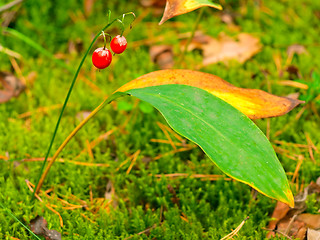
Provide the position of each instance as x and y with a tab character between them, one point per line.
179	208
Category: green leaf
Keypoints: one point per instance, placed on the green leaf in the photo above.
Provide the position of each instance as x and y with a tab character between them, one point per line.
230	139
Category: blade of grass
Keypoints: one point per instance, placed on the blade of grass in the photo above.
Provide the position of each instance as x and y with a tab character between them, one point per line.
16	219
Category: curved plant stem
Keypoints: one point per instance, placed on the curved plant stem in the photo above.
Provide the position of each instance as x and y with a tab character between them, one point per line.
195	26
67	99
65	142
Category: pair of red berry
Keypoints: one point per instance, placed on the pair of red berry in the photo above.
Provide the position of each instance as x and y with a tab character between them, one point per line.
102	57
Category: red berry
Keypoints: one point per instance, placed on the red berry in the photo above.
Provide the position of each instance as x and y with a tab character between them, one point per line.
118	44
101	58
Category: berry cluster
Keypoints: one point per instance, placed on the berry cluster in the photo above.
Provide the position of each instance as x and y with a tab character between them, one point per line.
102	57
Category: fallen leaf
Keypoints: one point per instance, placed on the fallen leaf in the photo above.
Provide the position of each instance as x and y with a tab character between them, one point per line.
11	86
294	222
162	55
279	212
178	7
296	48
313	234
252	102
52	235
225	48
199	41
228	18
296	229
295	95
39	225
311	220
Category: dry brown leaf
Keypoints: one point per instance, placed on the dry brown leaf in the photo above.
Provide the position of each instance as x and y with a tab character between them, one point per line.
252	102
313	234
293	222
280	211
225	48
39	225
311	220
178	7
10	86
162	55
296	48
199	41
228	19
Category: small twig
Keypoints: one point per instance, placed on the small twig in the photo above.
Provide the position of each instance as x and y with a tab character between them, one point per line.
183	149
10	5
234	232
290	224
142	232
167	136
134	158
277	231
295	174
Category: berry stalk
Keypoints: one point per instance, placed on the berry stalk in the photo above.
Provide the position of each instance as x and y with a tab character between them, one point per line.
39	184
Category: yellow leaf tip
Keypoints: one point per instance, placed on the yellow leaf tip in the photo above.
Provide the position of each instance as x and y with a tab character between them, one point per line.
290	199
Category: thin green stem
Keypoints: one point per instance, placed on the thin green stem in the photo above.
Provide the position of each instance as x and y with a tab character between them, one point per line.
15	218
195	27
67	99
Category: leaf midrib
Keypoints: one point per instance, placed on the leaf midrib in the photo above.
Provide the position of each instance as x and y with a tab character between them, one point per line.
174	103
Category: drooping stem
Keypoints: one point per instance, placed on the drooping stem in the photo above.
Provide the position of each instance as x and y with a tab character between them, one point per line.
195	27
67	99
65	142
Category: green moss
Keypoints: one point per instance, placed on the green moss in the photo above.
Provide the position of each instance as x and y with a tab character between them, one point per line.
209	209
